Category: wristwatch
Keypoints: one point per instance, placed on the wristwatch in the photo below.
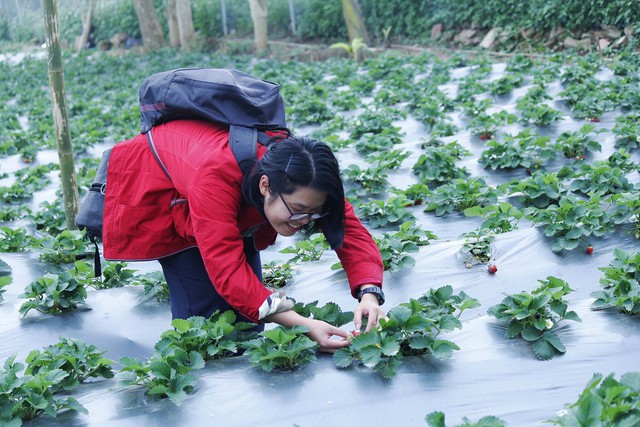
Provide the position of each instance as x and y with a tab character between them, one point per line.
372	290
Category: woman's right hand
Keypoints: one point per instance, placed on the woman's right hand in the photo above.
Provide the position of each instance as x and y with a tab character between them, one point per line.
319	331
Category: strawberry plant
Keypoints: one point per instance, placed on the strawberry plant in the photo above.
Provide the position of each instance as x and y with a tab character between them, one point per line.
115	275
620	283
388	159
436	419
168	377
627	209
486	125
540	190
572	220
500	217
65	248
600	178
382	213
307	250
364	182
415	193
12	213
473	107
526	149
538	114
50	218
478	245
627	131
330	313
53	294
27	396
376	121
459	195
395	252
4	281
577	144
506	84
281	348
410	329
276	275
438	165
213	338
15	239
604	401
308	109
534	316
381	141
78	359
155	285
428	107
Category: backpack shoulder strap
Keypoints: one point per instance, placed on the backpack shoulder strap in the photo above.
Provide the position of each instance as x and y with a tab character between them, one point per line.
243	145
155	154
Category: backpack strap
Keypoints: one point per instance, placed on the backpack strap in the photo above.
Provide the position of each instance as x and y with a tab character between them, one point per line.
155	154
243	145
241	139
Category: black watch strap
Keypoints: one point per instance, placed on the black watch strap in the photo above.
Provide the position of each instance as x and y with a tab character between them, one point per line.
375	290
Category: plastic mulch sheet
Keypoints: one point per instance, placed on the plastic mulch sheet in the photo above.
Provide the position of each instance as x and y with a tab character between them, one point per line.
489	375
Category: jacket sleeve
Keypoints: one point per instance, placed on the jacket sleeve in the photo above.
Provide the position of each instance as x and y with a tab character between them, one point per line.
359	254
214	201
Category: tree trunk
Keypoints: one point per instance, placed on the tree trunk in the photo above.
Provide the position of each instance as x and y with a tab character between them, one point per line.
223	9
354	20
172	20
185	24
152	36
60	116
86	26
292	15
259	14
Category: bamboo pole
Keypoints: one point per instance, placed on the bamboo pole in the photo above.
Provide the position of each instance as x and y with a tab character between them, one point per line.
60	116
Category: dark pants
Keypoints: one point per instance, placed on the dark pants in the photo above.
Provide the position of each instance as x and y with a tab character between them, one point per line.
190	289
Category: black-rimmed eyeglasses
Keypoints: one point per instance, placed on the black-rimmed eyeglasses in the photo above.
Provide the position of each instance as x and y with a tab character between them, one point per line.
301	216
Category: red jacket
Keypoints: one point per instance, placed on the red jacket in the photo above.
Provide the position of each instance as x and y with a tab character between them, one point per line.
147	216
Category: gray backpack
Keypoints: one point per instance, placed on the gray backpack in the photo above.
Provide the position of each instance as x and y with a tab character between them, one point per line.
247	104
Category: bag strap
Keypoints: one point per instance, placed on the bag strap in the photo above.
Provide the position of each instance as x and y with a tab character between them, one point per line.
241	139
155	154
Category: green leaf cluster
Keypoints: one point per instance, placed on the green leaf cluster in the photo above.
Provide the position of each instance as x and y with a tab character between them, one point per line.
78	359
53	294
436	419
460	194
605	401
620	283
330	313
534	316
382	213
410	329
281	348
307	250
193	341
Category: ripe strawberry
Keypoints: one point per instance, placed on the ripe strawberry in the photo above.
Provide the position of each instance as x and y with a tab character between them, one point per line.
595	119
492	269
482	136
488	136
589	249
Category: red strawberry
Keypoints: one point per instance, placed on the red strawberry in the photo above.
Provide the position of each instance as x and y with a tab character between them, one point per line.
589	249
482	136
492	269
595	119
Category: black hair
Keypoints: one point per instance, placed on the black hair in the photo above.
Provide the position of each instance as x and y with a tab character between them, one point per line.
294	162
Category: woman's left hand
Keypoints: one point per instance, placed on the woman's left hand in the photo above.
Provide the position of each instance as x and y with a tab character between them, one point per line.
367	307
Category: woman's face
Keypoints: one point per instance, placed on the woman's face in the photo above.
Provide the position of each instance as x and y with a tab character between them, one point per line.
279	207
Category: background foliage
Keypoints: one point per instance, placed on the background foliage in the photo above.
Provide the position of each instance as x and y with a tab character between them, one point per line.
321	20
